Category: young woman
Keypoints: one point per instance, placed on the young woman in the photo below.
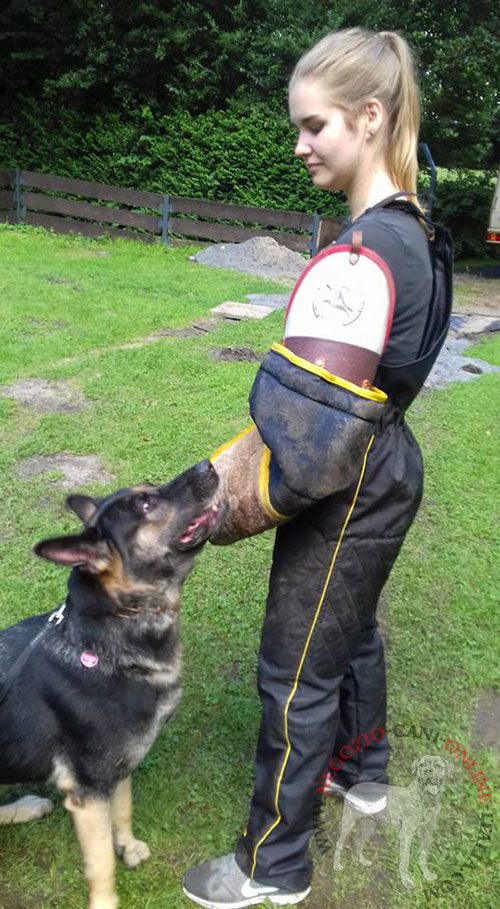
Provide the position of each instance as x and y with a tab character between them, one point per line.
354	103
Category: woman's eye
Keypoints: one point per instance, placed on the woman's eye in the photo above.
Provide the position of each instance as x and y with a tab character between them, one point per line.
316	128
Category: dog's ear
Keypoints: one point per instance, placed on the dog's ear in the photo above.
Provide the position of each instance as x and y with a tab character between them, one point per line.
414	766
83	506
72	551
450	770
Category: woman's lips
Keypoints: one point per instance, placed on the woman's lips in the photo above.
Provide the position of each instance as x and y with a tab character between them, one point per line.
313	166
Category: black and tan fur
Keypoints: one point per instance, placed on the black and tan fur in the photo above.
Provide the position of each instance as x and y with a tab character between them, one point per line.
85	730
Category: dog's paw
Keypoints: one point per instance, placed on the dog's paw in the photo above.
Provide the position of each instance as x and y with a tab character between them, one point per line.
407	881
367	863
134	853
30	808
429	875
110	902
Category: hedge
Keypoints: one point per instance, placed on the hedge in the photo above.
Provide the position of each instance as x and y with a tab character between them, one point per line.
237	156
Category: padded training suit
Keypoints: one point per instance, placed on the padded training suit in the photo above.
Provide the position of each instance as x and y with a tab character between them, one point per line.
321	672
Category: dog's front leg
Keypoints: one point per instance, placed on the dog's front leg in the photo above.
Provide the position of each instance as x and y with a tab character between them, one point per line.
92	819
405	839
425	837
131	851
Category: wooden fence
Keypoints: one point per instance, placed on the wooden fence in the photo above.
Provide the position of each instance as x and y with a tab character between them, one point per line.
61	203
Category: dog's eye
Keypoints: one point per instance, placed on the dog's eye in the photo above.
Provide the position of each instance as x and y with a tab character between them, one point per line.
148	504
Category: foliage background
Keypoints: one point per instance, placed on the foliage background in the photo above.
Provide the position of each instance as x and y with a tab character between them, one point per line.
190	97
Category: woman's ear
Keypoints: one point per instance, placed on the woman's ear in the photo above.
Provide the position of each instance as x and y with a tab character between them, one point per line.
375	116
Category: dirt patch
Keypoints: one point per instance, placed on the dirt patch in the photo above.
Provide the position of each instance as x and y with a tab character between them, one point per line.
47	327
192	331
233	671
207	324
72	471
16	899
152	339
47	397
235	353
474	294
486	728
66	283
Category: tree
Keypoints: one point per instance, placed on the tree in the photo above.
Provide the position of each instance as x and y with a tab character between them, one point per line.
169	55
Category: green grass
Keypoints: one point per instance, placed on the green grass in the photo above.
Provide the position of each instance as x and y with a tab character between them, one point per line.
154	411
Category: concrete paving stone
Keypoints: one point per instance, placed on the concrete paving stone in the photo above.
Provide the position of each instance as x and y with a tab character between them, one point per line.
233	310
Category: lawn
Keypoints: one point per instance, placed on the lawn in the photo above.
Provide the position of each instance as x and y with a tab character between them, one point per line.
71	309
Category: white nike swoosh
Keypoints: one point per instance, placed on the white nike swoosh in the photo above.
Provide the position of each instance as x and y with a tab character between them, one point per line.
253	888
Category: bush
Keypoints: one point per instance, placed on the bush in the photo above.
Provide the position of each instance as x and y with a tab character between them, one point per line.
463	202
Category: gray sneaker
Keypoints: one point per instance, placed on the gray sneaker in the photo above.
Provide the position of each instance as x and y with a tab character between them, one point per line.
220	884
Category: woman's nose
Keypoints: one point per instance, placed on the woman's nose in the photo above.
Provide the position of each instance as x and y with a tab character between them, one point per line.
302	147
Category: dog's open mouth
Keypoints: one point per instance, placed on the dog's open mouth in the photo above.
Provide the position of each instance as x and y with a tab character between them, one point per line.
200	528
432	788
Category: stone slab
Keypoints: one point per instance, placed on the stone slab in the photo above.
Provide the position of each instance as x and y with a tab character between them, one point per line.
233	310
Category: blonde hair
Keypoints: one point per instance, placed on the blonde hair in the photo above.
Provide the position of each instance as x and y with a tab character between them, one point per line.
356	64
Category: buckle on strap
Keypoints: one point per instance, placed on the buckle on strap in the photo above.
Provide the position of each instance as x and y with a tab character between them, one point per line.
56	617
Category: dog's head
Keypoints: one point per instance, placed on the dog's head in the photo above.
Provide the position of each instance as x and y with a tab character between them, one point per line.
431	772
143	538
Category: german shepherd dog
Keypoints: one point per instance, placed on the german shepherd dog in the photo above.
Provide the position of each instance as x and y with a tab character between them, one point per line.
84	696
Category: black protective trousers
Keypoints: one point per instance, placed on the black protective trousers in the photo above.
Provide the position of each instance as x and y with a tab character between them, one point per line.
321	669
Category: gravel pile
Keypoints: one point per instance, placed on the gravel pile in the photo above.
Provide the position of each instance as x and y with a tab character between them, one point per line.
259	256
451	366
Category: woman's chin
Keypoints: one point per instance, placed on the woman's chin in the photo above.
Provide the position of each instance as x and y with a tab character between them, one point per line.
324	181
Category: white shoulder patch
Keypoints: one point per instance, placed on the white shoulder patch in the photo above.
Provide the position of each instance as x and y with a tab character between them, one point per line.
336	300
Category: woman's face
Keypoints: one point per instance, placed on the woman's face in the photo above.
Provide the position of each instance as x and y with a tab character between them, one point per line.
332	151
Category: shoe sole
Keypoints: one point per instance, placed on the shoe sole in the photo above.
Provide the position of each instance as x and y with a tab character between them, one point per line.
277	900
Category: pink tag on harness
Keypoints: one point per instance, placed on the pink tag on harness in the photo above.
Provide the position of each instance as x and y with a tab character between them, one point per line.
89	659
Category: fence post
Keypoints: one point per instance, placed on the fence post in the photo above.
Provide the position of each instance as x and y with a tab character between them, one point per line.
18	196
164	222
314	235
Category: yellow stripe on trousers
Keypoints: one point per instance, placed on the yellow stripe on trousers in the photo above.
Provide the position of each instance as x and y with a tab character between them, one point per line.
304	654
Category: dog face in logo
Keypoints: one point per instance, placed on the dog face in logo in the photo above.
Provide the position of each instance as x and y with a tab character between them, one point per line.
431	772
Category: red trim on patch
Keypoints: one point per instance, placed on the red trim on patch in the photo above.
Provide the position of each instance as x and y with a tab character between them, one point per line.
364	251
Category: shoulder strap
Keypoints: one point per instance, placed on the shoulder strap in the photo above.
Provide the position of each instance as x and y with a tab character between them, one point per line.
395	201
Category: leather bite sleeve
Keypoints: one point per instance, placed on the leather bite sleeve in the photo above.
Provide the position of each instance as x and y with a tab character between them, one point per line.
311	432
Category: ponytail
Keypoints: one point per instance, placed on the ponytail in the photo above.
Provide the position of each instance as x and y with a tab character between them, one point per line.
404	118
356	64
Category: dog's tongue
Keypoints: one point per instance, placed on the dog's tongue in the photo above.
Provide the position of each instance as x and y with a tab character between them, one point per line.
187	536
200	521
